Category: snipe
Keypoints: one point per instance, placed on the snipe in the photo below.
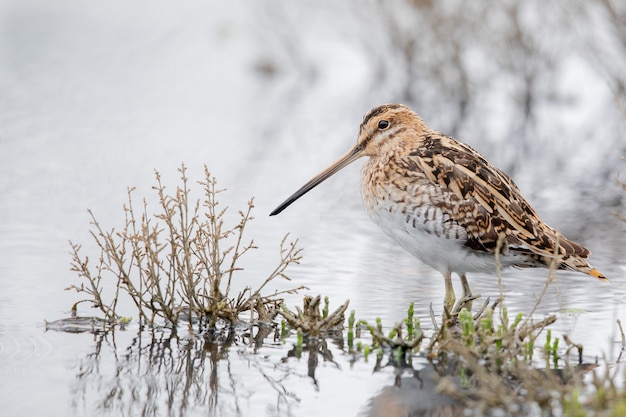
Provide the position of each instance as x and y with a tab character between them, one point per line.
446	204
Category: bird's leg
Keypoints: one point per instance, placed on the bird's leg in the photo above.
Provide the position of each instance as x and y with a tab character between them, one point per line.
467	299
449	298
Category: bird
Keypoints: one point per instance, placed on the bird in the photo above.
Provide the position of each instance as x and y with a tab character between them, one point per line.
445	204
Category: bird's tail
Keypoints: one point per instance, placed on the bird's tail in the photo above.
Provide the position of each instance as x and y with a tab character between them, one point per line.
579	264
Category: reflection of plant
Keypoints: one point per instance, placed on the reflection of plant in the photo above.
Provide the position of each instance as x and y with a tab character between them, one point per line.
163	374
179	263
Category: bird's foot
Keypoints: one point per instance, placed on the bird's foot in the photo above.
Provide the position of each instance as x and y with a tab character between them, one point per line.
451	316
465	302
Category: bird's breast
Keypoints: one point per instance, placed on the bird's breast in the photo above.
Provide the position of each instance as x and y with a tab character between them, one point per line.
409	201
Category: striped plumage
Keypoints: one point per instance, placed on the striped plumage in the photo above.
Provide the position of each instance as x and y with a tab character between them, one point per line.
445	203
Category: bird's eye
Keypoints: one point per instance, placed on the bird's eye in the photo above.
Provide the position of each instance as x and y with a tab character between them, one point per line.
383	124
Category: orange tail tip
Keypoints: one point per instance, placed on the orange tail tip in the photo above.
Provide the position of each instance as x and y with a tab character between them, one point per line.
581	265
595	273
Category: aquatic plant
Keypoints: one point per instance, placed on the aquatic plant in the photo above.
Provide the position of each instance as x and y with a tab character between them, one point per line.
179	263
483	364
311	321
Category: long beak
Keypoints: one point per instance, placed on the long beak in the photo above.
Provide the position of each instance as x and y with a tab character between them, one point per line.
354	154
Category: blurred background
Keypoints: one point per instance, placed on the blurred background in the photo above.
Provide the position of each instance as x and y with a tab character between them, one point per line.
95	96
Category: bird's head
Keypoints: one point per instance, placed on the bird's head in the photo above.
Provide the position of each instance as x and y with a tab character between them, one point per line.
382	127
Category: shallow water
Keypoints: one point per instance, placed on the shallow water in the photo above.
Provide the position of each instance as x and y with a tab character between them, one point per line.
94	98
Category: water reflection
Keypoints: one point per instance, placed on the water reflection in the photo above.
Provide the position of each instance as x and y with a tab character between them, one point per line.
159	373
234	371
240	372
415	395
314	349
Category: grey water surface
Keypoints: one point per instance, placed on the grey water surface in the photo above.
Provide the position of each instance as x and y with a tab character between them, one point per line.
95	96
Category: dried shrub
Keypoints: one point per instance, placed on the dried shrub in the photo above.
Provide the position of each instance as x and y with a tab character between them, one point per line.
179	263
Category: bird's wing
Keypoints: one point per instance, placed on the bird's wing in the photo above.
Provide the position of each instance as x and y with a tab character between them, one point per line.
489	206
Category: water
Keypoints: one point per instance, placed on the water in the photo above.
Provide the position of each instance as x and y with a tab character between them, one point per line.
94	98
